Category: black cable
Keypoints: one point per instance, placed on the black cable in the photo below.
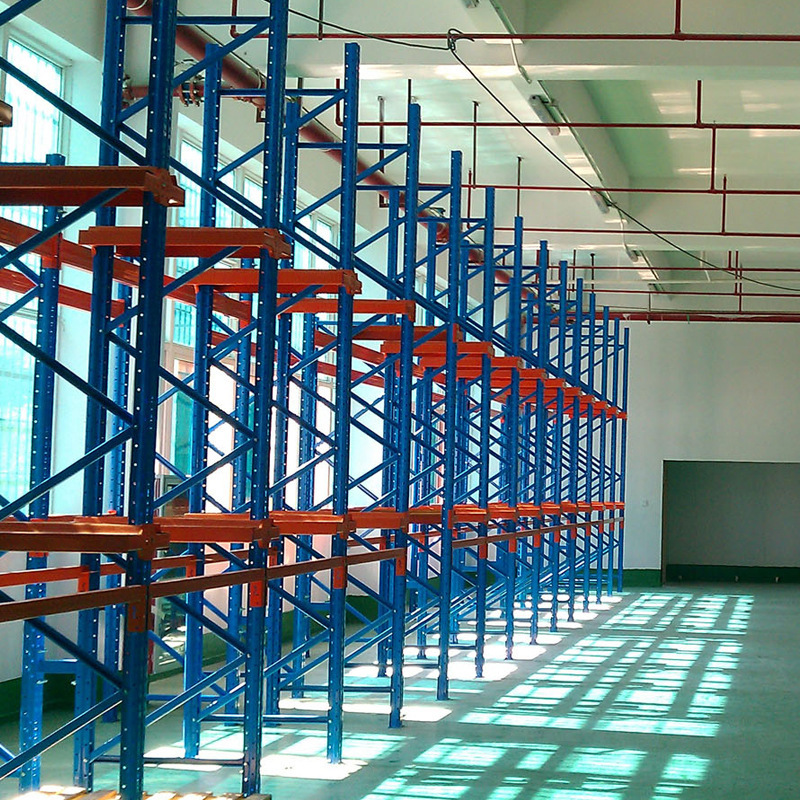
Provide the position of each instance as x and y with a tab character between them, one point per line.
343	29
454	36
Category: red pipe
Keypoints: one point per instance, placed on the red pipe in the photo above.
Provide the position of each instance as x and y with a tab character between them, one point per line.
701	316
785	295
779	38
596	231
678	35
698	125
749	270
638	190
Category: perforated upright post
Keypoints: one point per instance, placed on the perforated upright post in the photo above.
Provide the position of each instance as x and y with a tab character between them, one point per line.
145	398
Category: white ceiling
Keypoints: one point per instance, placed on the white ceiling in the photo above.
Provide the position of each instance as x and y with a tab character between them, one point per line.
606	81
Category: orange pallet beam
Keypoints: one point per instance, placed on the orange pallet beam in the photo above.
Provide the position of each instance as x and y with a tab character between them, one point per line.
394	554
529	510
67	296
328	305
501	511
128	273
210	528
425	515
323	281
192	242
49	536
502	368
551	509
288	523
75	255
387	333
386	518
464	513
61	604
53	251
365	354
532	374
73	186
438	349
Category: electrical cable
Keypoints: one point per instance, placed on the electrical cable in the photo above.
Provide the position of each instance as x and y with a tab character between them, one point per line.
454	36
343	29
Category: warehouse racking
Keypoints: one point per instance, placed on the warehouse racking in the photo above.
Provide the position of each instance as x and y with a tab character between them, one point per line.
486	395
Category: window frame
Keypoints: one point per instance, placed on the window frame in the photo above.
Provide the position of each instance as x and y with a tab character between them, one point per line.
26	317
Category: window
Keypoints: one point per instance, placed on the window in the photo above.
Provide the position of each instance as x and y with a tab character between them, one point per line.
183	327
188	216
182	422
252	191
36	133
226	217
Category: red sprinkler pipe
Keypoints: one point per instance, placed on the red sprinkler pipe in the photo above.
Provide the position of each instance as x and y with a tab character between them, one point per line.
514	187
677	35
611	232
701	316
695	126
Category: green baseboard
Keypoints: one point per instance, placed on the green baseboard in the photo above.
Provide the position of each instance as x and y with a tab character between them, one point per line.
59	692
677	573
641	578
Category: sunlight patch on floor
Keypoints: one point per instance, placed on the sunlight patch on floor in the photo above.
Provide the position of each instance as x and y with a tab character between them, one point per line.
309	768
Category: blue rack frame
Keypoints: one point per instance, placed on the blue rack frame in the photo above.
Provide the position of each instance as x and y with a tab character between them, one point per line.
495	407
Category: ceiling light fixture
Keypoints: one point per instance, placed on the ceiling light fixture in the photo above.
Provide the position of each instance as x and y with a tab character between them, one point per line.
545	113
600	201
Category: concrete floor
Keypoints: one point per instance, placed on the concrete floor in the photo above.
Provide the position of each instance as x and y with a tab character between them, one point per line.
683	693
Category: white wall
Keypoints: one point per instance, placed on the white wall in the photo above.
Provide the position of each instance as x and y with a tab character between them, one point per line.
704	391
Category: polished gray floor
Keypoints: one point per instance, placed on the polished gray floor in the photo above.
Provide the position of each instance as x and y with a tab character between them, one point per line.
685	693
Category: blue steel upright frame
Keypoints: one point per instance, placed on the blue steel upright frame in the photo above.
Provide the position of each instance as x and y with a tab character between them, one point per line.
494	404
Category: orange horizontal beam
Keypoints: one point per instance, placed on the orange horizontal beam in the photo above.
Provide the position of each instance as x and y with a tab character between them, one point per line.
387	333
80	535
438	347
310	522
532	374
551	509
73	186
289	280
387	518
60	250
47	575
62	604
425	515
67	296
220	528
192	242
466	513
503	511
326	305
361	353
